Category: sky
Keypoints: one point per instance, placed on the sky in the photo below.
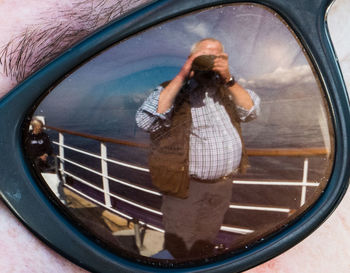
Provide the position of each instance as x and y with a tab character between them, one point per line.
103	95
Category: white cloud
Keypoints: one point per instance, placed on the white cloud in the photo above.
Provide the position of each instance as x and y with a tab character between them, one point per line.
282	77
200	29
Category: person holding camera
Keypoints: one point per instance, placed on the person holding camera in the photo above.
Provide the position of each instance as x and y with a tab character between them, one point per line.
197	147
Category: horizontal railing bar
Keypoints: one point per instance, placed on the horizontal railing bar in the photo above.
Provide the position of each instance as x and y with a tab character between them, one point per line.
127	165
277	183
236	230
260	208
223	227
77	150
290	152
241	182
99	157
281	183
112	209
135	204
118	162
79	165
153	227
134	186
116	196
98	138
232	206
111	178
82	181
97	202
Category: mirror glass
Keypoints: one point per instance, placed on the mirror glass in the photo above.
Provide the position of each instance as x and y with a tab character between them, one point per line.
159	153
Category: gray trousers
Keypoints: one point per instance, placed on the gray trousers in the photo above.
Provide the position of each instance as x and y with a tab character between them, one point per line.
200	216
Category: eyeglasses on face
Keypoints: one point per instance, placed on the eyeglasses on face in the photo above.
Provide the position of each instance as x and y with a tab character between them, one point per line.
91	196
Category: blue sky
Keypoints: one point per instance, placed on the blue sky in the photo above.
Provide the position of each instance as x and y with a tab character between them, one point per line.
105	92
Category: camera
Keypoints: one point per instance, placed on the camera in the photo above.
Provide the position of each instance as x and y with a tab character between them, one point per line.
202	67
203	63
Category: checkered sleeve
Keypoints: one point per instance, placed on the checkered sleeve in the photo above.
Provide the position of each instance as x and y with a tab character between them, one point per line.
147	117
248	115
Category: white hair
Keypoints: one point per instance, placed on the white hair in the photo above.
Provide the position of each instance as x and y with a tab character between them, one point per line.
196	44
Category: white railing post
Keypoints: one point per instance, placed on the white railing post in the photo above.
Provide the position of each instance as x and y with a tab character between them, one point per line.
304	182
61	154
104	169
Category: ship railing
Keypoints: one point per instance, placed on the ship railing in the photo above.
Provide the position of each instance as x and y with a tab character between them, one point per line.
305	153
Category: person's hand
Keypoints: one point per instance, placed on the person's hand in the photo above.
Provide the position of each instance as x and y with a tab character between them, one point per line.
221	66
43	157
186	68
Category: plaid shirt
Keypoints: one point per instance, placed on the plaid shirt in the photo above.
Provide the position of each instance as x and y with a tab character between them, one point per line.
215	145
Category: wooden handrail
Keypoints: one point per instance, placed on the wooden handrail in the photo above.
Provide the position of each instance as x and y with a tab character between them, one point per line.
290	152
295	152
99	138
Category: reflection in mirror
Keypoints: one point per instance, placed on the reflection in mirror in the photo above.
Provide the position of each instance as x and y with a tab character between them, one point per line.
168	146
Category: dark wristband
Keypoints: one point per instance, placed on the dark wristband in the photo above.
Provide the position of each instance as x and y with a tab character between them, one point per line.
230	82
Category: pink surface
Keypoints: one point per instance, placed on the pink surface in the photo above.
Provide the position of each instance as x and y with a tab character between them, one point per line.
326	250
